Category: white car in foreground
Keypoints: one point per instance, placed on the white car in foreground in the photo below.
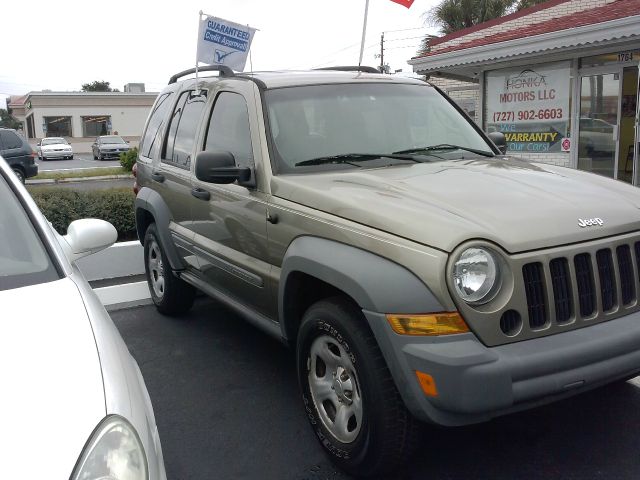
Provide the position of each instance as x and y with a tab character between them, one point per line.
54	147
73	404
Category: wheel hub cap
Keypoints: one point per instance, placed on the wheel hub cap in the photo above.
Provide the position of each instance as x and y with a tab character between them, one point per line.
334	387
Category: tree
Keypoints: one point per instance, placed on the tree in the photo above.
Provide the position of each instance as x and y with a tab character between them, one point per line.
98	86
8	121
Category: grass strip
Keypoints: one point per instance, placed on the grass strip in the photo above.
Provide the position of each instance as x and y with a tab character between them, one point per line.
93	172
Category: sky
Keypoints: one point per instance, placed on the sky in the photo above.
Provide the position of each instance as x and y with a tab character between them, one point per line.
61	45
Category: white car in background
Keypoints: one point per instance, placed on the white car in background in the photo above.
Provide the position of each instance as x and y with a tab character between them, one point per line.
73	404
54	147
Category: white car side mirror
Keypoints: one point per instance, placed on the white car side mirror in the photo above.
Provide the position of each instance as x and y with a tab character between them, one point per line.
87	236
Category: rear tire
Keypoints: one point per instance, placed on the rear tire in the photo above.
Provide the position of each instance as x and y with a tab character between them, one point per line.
171	295
349	395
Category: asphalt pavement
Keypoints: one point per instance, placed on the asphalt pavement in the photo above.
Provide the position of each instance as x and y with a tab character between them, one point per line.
80	161
227	406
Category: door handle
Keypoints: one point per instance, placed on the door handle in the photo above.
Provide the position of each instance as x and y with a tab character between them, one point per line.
158	177
200	193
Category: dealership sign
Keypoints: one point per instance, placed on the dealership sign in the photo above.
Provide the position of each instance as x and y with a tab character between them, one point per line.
530	106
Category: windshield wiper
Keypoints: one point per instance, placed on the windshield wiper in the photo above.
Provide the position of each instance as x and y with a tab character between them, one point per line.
445	146
356	157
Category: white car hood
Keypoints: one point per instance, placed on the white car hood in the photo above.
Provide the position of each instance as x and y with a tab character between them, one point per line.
52	389
56	146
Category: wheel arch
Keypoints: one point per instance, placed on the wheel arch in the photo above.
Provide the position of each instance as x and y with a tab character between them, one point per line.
315	268
150	208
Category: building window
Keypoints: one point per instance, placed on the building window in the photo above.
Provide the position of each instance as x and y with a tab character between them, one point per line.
96	126
31	131
531	105
57	126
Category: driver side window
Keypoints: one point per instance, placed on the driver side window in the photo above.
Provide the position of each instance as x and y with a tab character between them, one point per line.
228	128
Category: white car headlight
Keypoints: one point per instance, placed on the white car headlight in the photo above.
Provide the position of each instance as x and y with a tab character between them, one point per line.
114	451
476	275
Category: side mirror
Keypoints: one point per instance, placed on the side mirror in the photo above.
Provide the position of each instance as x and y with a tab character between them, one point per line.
87	236
220	167
499	141
38	144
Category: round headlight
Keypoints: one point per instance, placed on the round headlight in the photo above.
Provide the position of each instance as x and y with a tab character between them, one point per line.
114	451
476	275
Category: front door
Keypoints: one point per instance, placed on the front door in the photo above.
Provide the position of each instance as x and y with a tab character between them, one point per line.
608	110
599	123
229	220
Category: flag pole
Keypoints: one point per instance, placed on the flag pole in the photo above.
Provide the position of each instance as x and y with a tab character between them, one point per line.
364	32
197	47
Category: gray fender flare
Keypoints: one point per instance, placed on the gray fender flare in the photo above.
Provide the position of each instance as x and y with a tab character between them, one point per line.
149	200
375	283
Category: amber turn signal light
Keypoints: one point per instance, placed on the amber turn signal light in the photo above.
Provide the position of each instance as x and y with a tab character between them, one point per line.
427	383
445	323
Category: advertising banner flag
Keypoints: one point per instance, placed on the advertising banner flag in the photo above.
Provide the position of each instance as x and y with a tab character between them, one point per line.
221	42
404	3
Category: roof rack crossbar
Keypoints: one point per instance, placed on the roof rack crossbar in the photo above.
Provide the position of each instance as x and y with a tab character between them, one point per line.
352	68
223	69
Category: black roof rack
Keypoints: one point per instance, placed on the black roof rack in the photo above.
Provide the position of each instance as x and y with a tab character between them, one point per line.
353	68
223	69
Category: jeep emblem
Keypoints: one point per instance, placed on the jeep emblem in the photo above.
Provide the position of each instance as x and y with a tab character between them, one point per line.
590	222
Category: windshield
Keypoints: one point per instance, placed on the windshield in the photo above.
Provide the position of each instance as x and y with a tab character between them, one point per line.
23	258
53	141
111	140
318	121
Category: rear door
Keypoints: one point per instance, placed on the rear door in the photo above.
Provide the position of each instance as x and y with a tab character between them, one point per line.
12	149
229	221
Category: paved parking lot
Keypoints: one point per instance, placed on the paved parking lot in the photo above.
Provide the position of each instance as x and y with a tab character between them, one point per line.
227	406
80	160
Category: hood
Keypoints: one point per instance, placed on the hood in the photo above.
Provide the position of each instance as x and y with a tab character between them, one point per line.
56	146
53	395
109	146
516	204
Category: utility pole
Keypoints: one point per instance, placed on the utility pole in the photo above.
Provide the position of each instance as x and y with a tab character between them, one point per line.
382	52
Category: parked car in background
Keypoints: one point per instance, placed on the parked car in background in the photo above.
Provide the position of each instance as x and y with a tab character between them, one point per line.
597	137
18	154
74	404
54	147
109	146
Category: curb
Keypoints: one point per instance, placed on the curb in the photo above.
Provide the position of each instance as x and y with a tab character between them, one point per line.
48	181
121	263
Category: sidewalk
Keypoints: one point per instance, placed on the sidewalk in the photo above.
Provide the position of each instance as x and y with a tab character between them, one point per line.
117	275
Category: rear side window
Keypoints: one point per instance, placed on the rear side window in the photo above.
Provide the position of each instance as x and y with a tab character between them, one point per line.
182	130
10	140
150	137
229	128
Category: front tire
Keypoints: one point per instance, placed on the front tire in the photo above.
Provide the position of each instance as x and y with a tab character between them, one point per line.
171	295
349	395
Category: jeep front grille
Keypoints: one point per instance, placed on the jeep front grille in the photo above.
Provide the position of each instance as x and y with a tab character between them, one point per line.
563	288
600	283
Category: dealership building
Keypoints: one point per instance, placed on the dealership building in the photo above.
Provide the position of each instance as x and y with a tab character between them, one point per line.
559	79
82	116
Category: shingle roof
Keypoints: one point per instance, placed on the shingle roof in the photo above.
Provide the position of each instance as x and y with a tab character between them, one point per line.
611	11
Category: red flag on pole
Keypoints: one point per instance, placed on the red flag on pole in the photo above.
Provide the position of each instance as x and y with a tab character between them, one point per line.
404	3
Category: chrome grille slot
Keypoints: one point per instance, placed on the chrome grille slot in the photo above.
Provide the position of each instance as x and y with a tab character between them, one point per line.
627	280
562	294
607	279
535	290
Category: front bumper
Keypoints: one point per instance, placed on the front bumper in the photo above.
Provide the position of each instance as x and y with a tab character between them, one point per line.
56	154
104	154
476	383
